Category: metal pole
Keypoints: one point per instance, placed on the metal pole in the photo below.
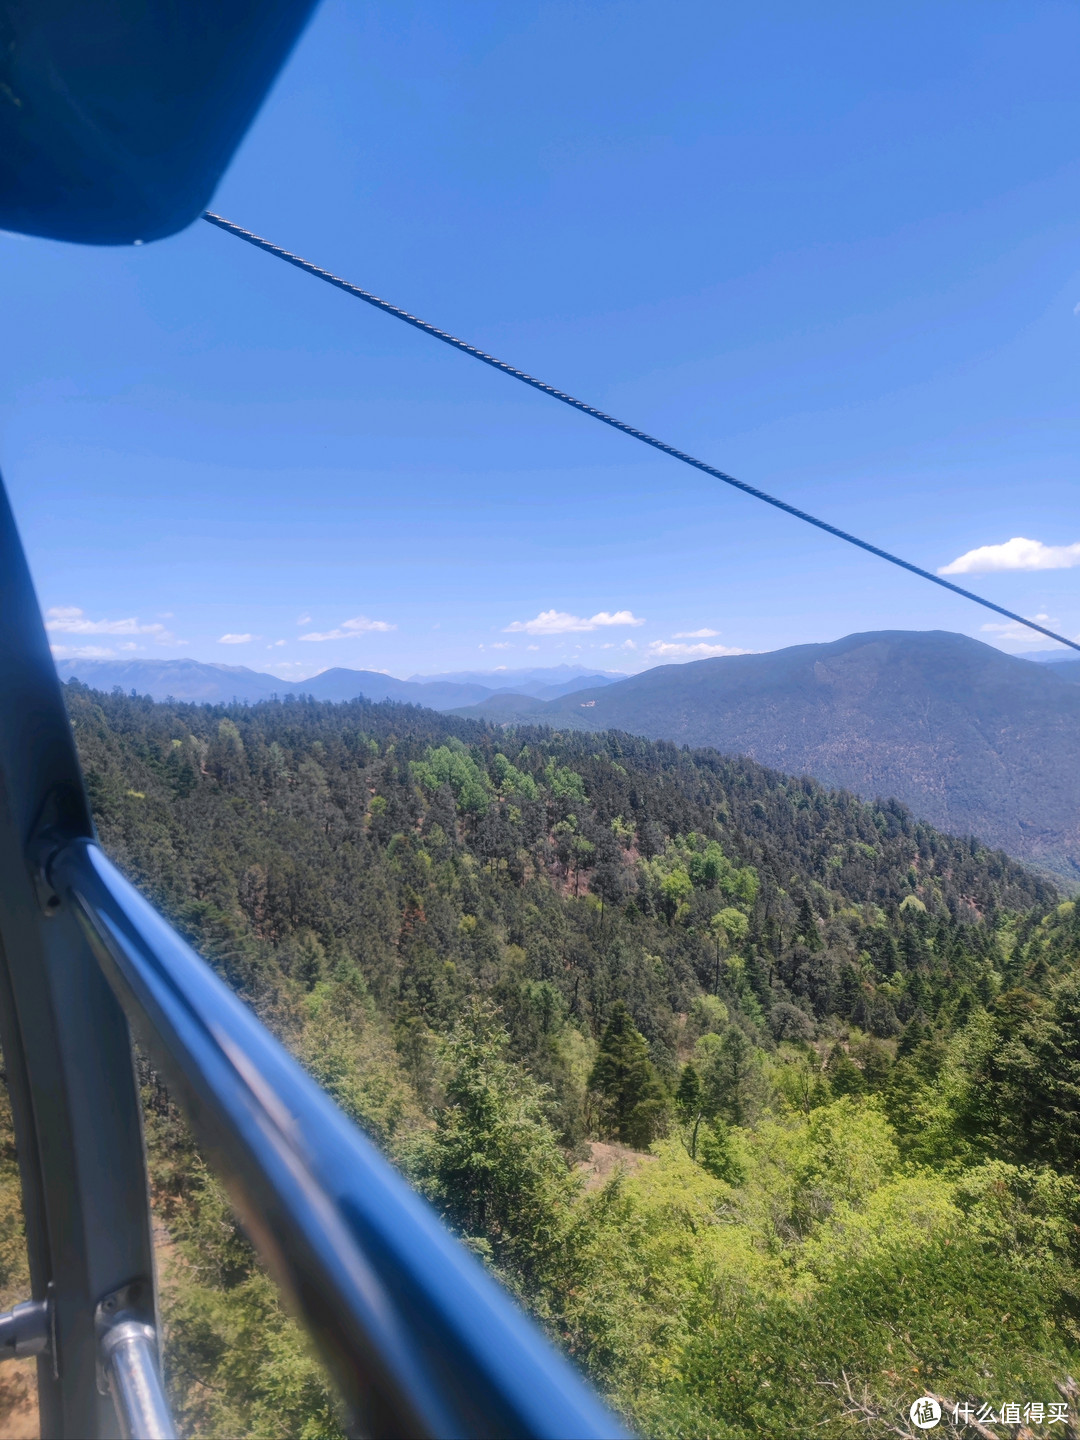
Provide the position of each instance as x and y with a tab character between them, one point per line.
129	1357
67	1051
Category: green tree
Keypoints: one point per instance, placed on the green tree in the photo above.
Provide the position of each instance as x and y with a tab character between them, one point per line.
734	1083
675	890
845	1077
688	1094
632	1097
729	927
717	1154
493	1165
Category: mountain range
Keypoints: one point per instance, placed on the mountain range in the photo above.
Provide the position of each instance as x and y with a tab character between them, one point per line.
209	683
973	740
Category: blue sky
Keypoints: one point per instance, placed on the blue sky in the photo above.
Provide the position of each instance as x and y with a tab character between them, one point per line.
834	249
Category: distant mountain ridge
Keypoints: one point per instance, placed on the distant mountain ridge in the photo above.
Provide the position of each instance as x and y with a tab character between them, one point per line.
971	739
209	683
542	682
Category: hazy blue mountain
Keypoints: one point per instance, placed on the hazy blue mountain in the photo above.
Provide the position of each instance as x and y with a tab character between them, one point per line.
341	684
196	680
206	682
1064	663
542	682
1065	669
1049	657
972	739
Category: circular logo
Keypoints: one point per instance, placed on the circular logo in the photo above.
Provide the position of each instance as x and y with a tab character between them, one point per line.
925	1412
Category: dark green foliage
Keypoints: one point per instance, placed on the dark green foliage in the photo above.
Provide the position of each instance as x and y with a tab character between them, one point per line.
733	1086
845	1078
632	1099
688	1094
492	1164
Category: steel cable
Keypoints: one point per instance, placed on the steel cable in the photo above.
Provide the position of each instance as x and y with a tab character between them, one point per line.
232	228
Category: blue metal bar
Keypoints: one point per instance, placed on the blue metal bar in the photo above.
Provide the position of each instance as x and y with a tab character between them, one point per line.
418	1338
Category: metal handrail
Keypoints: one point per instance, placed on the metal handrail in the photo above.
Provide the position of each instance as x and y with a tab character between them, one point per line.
419	1340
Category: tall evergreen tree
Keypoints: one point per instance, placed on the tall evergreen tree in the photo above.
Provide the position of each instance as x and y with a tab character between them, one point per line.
632	1097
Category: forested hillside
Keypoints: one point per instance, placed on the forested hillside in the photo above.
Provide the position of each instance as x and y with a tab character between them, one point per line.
973	740
763	1100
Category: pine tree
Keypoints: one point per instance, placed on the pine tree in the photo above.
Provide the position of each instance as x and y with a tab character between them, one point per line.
688	1095
718	1155
632	1096
734	1083
845	1077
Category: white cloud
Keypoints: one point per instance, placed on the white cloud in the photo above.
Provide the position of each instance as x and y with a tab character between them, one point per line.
303	620
558	622
532	647
1015	554
82	652
70	620
235	639
350	629
665	650
502	645
702	634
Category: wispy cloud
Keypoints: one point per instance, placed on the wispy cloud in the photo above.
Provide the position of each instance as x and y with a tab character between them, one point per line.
558	622
235	639
502	645
702	634
1020	634
350	629
665	650
1014	554
70	620
83	652
303	620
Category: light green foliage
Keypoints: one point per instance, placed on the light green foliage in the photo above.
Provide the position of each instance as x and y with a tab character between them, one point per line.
512	781
676	887
451	764
564	783
352	1057
708	1015
691	863
729	927
849	1152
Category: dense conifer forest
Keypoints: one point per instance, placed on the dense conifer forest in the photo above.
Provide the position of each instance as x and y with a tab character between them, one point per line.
764	1101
